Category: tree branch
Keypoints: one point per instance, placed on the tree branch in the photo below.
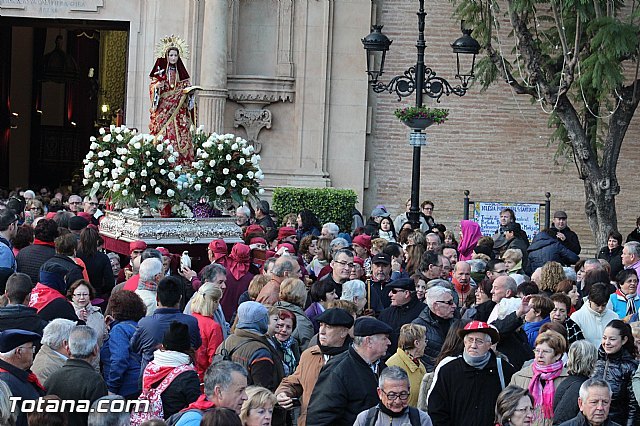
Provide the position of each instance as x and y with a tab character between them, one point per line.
497	59
561	34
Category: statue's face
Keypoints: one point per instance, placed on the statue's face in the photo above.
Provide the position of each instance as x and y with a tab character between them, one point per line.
172	56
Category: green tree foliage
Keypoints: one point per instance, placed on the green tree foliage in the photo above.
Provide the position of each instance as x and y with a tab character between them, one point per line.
329	204
580	59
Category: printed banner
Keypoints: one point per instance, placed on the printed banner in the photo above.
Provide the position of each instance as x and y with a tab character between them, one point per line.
487	215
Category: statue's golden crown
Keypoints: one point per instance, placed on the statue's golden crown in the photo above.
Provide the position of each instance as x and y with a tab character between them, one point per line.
167	42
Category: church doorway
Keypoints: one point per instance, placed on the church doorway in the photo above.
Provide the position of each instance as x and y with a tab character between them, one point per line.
60	80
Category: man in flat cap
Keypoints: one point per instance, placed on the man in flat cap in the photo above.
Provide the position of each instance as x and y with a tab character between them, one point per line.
405	307
333	339
348	384
16	357
566	236
466	388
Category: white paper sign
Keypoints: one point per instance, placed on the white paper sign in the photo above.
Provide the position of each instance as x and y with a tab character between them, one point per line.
488	216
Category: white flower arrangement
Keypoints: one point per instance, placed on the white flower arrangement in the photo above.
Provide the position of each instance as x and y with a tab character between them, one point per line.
181	210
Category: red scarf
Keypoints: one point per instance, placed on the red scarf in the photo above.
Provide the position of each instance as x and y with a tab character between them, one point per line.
462	289
201	403
42	295
132	283
43	243
31	378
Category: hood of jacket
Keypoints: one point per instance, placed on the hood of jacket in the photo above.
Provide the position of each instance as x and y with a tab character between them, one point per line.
542	239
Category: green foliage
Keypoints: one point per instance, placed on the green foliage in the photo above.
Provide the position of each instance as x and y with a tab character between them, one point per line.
437	115
329	204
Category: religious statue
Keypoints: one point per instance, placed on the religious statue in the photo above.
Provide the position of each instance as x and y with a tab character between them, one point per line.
172	97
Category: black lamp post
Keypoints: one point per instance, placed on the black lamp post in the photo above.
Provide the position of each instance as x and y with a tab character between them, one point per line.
423	81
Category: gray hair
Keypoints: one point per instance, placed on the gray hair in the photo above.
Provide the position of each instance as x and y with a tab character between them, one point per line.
352	289
346	251
439	282
509	284
633	247
338	242
477	265
244	210
595	263
220	375
149	268
570	273
57	332
210	272
283	265
393	373
519	279
113	416
150	253
435	293
582	358
82	341
593	383
7	417
332	228
433	234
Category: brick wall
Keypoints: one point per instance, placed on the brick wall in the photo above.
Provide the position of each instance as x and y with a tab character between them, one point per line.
495	143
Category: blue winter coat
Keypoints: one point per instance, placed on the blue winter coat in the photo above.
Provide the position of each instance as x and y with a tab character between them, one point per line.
545	248
121	366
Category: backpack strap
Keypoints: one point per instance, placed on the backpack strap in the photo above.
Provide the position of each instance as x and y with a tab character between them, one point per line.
164	384
372	416
500	372
414	416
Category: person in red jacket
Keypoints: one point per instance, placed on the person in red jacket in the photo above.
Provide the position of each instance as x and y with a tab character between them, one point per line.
204	304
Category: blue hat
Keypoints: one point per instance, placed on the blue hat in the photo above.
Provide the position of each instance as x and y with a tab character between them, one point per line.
253	316
12	338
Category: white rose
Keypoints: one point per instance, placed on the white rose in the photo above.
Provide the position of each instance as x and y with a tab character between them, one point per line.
163	172
197	186
161	161
100	163
132	175
205	154
212	163
228	157
136	145
160	137
116	186
159	147
119	138
97	174
105	170
250	174
127	181
94	145
152	182
259	175
92	139
110	184
171	160
171	175
171	192
143	172
120	170
245	191
143	188
157	191
233	183
239	176
147	153
179	185
130	161
125	192
242	161
207	144
234	146
90	154
208	179
225	171
220	190
178	167
220	147
101	131
149	164
96	185
85	181
200	173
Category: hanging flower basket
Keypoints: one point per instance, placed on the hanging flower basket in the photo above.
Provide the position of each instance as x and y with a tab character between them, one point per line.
419	118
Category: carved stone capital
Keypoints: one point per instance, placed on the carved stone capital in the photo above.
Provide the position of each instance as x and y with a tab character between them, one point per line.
253	120
260	90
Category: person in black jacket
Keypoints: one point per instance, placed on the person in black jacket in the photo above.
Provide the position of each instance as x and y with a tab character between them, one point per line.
546	247
565	235
595	405
347	384
17	314
32	257
97	263
405	307
436	317
512	234
466	389
616	365
635	234
612	253
580	365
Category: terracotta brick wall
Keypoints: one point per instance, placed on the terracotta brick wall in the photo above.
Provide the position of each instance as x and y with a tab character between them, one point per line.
495	143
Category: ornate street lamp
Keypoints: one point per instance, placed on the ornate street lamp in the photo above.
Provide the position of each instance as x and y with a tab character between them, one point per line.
423	81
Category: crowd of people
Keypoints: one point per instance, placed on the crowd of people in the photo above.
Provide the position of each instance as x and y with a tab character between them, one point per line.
309	324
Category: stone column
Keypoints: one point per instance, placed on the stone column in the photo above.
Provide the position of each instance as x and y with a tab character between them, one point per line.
213	66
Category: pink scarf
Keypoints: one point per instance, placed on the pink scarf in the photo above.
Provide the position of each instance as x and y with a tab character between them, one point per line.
545	396
470	235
